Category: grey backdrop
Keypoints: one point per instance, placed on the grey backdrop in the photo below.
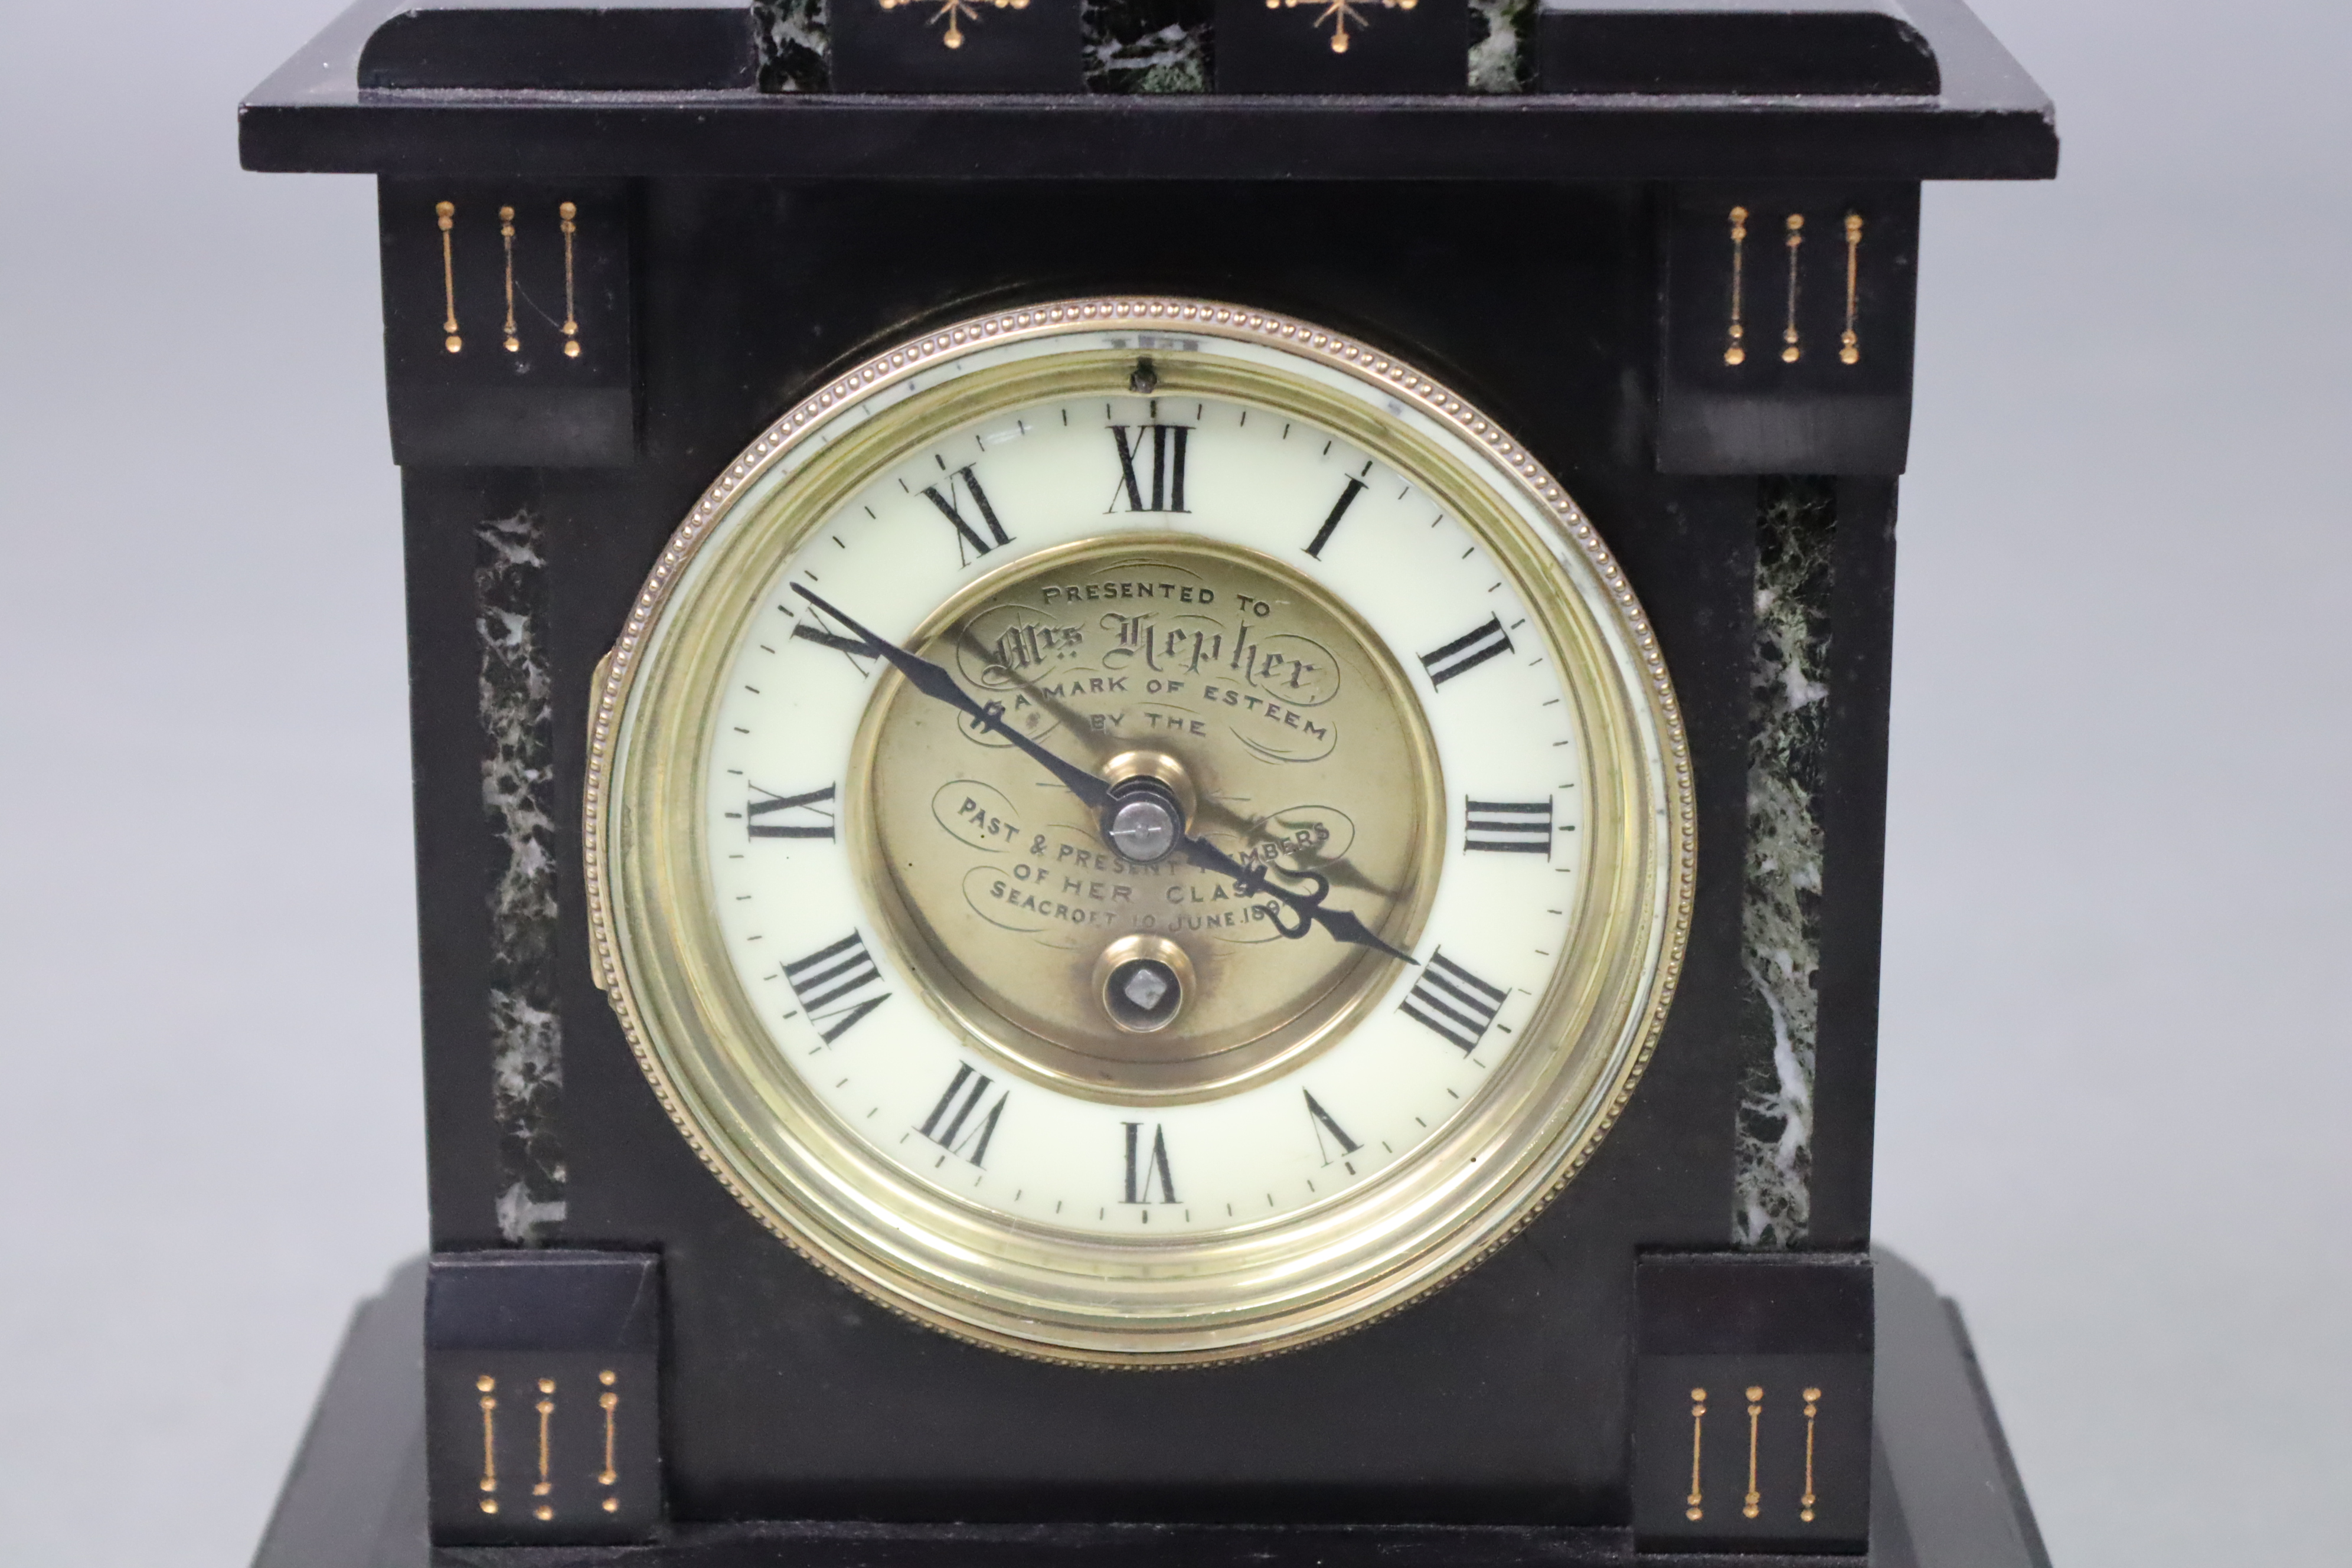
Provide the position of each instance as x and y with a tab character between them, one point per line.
2115	1076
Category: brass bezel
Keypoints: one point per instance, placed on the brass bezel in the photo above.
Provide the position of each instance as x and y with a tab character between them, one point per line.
1163	1301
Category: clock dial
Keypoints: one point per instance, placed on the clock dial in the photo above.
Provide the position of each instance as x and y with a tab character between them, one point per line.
1139	850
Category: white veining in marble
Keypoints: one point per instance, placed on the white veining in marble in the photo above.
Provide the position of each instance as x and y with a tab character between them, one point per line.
1499	58
1780	939
517	788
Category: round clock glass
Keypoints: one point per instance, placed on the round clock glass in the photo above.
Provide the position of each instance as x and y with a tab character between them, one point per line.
1138	832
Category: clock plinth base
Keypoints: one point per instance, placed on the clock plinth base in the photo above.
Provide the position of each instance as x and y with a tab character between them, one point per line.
1945	1493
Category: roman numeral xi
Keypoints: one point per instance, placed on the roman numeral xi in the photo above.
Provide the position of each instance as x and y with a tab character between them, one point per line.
827	982
1468	652
1507	827
964	485
1150	467
950	1125
1452	1002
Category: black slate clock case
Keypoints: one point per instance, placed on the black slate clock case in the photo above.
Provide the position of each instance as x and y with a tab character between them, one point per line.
677	255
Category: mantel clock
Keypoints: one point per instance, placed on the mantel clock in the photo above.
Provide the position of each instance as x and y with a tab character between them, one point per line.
1150	768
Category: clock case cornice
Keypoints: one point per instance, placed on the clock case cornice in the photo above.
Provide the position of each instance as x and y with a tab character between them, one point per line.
1988	121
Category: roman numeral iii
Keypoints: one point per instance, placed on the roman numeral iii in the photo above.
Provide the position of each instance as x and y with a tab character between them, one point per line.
814	821
1507	827
1468	652
1150	467
1147	1166
827	982
950	1125
970	542
1454	1003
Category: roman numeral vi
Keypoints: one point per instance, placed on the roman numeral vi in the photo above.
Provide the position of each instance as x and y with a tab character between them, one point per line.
1148	1166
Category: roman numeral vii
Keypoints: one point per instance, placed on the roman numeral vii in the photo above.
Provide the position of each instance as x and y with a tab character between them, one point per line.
950	1125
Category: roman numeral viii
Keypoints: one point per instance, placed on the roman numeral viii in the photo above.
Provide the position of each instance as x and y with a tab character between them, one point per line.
1147	1166
1453	1001
950	1125
964	485
1150	467
827	982
1507	827
1468	652
815	819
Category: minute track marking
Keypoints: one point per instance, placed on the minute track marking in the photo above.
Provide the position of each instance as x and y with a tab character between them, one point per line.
934	681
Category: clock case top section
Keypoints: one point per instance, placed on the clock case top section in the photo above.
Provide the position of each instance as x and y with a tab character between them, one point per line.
662	89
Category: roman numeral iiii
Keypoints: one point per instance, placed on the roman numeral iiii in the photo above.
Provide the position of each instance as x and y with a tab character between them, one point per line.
827	982
1453	1003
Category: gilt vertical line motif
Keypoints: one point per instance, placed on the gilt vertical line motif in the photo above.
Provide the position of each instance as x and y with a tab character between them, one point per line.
1850	352
1736	351
546	1483
1695	1508
1754	1503
1812	1409
445	213
518	722
506	237
567	215
610	1402
1794	351
487	1388
1780	914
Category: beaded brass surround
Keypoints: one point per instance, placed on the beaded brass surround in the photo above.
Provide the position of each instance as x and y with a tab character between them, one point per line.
1155	1301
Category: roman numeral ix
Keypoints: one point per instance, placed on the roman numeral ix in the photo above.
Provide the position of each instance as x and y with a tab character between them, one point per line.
826	982
1467	652
1453	1001
950	1125
1158	448
971	543
1148	1166
816	820
1507	827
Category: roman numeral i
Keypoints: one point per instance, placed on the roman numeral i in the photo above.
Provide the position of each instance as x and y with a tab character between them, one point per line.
828	980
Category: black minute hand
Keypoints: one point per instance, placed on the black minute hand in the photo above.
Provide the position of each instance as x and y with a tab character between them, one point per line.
933	681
